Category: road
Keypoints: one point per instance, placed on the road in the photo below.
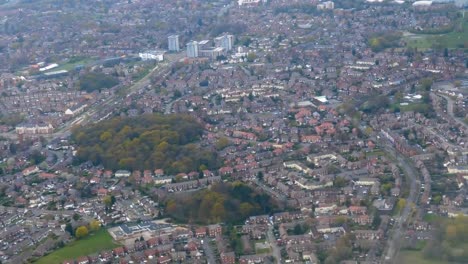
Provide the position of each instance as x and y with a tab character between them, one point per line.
38	211
168	108
274	247
450	104
396	234
270	191
209	252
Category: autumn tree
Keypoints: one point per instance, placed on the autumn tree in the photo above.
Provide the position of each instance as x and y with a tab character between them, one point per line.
107	200
81	232
94	225
401	204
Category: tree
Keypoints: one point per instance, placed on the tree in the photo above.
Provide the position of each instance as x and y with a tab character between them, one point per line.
222	143
260	176
401	204
251	96
69	229
81	232
298	230
204	83
105	136
94	225
76	217
426	84
96	81
340	182
107	200
451	232
251	57
177	94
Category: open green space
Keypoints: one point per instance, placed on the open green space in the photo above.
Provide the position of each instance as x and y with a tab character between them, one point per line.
416	257
263	251
73	63
94	243
415	107
454	39
375	153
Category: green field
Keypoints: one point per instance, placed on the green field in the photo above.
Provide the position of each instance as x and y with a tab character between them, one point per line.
416	257
87	246
73	62
450	40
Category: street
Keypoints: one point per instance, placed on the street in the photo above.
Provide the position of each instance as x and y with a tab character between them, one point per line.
396	234
274	247
209	252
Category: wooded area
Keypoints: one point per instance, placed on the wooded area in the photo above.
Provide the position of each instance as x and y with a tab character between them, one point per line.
90	82
145	142
450	240
224	202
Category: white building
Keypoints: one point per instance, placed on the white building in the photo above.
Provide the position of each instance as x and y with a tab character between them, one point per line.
192	49
329	5
226	42
33	129
122	173
173	42
249	2
151	55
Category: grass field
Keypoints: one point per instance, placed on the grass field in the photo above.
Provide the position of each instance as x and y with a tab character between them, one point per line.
71	65
450	40
416	257
90	245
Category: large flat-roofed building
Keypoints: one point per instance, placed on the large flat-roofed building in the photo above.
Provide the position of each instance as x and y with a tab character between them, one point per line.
212	53
134	230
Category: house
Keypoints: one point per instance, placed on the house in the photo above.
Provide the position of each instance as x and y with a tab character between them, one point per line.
178	256
119	252
200	232
122	173
368	234
248	259
82	260
365	181
36	129
228	258
30	170
164	259
214	230
163	180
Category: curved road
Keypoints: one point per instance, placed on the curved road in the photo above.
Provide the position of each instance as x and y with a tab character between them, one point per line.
450	110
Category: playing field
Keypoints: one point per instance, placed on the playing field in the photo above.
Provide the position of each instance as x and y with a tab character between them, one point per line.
450	40
94	243
416	257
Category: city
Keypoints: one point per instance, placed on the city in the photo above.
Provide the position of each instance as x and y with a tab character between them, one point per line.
233	131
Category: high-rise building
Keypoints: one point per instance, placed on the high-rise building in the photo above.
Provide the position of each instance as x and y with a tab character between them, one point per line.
173	43
225	41
192	49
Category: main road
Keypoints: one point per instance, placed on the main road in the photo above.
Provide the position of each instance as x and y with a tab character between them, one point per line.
399	229
92	112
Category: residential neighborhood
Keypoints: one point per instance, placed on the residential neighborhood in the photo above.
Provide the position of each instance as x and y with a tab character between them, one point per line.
336	131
